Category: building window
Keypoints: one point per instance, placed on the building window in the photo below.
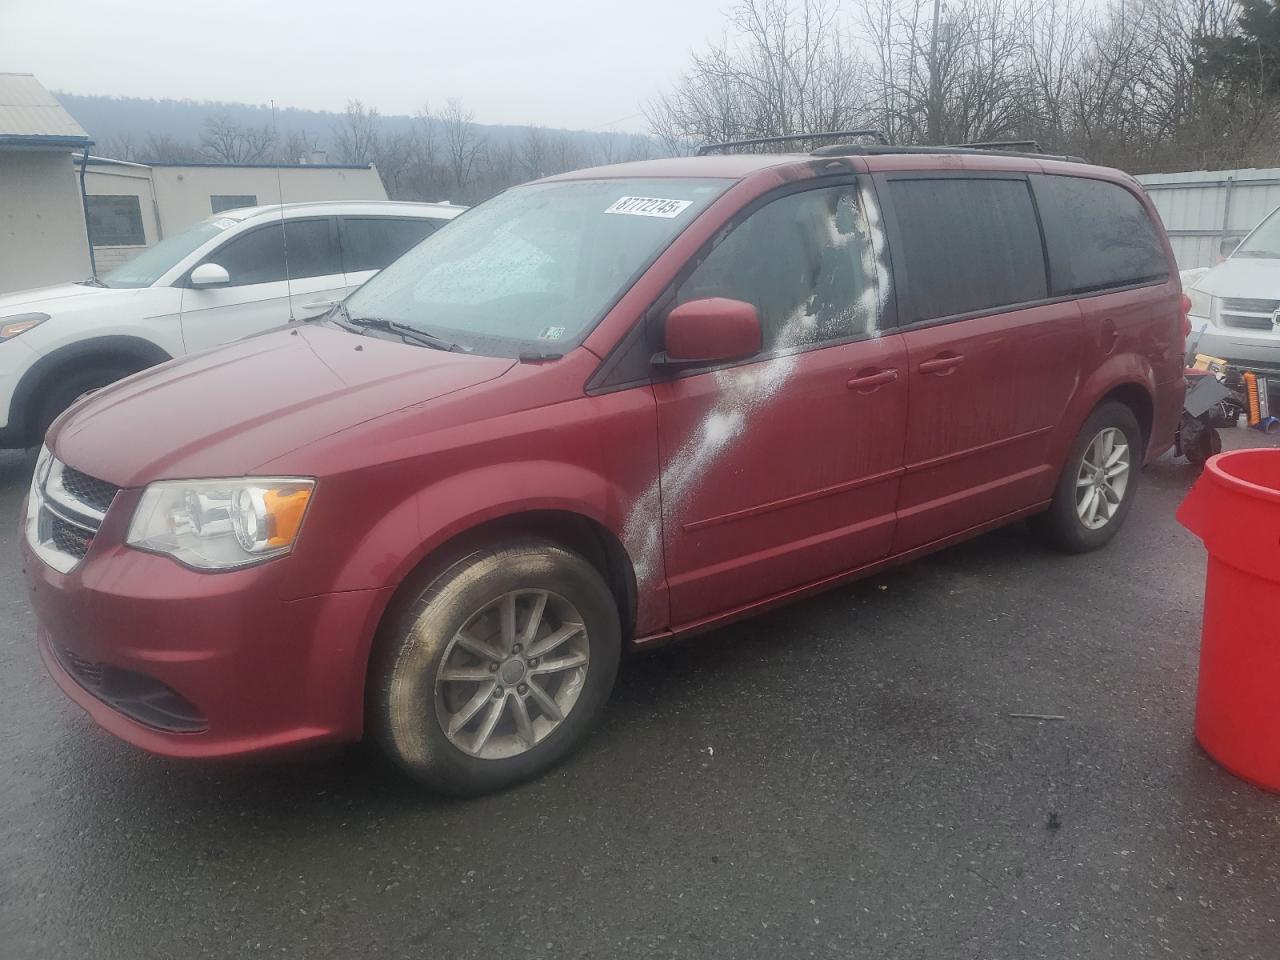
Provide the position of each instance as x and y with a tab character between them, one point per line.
230	201
116	222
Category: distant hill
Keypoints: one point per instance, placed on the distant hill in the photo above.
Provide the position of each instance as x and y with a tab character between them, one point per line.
112	118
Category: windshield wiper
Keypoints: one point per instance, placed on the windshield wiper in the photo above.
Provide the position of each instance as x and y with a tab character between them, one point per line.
1257	254
91	282
404	331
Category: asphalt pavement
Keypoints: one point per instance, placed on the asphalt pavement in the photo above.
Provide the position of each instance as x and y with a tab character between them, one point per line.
839	778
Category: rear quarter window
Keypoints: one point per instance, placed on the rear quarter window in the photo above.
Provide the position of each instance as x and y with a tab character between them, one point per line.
1099	236
965	245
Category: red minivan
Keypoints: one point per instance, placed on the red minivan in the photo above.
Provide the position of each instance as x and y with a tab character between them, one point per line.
607	408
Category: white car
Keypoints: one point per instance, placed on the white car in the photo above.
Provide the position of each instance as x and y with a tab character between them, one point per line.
222	279
1235	306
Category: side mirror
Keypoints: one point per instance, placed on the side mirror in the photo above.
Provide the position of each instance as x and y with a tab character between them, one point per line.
705	332
210	275
1228	246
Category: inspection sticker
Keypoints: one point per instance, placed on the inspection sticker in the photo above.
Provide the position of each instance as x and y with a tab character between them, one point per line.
551	333
649	207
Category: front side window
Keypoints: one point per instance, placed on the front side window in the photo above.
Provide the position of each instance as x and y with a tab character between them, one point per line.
807	264
115	221
537	266
152	264
231	201
259	256
966	245
1099	235
370	243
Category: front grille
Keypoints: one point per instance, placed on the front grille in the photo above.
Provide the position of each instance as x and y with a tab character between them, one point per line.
136	695
1245	305
96	493
67	537
1244	321
64	512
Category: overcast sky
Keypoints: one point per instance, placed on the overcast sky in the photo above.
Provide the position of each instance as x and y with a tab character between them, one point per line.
573	63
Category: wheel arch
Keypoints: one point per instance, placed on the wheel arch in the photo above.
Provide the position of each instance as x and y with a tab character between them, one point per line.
571	529
110	350
1137	398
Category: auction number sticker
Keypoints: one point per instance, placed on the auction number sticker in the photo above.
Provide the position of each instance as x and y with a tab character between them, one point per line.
649	207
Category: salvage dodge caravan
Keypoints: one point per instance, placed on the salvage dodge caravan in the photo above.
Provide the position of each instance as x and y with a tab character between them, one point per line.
607	408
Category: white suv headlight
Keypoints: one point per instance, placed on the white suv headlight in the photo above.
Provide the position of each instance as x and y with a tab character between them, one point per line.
1201	304
221	524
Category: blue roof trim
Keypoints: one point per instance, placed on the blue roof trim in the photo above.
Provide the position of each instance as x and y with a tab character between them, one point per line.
272	166
42	140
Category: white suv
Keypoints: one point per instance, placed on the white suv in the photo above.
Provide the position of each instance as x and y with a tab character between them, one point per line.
1235	306
222	279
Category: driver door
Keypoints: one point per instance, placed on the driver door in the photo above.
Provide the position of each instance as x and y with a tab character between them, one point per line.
784	470
260	294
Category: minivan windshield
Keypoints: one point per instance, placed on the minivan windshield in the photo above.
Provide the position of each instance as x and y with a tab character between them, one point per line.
153	263
536	266
1264	242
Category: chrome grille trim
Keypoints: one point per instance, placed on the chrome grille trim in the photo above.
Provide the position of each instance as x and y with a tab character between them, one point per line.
50	504
1246	305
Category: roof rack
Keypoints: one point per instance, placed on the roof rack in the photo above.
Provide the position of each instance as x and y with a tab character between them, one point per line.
853	150
1029	146
877	135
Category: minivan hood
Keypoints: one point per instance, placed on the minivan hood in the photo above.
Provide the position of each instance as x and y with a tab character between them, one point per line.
227	411
1246	278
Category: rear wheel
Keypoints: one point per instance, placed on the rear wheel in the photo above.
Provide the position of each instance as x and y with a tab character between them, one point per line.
1098	483
498	669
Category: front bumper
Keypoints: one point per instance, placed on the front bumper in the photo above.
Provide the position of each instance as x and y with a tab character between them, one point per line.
1238	348
252	672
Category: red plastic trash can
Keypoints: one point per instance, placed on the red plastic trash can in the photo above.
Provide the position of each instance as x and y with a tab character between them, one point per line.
1235	509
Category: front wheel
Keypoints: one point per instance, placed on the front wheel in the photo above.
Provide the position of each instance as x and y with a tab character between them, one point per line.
498	669
1098	483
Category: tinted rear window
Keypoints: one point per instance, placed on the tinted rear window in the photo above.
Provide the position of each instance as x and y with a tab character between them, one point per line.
966	245
370	243
1099	236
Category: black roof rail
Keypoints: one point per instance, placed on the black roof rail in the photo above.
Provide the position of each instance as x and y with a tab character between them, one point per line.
867	150
1028	146
878	135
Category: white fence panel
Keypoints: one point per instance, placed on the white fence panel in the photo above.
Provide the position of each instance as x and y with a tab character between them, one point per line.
1202	207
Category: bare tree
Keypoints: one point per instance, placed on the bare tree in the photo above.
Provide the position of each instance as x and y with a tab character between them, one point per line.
120	147
162	148
356	135
463	144
226	141
784	69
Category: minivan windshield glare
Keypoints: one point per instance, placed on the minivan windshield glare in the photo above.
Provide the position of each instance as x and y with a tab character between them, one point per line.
537	265
1264	242
153	263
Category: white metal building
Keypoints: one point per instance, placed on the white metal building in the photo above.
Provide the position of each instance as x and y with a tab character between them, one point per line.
133	205
1202	207
42	223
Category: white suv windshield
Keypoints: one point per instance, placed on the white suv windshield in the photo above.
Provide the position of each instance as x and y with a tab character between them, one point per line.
539	264
1264	242
153	263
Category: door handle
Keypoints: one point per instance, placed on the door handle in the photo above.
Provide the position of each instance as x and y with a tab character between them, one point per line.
941	365
867	382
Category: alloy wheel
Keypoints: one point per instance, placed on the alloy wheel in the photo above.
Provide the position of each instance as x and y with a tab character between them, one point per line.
511	674
1103	478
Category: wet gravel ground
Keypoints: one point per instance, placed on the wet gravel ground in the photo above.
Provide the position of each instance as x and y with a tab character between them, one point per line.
840	778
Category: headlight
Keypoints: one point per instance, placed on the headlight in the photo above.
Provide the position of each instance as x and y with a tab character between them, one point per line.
11	326
1201	304
221	524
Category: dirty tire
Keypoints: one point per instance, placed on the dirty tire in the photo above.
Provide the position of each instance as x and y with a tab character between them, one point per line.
1060	526
404	711
66	392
